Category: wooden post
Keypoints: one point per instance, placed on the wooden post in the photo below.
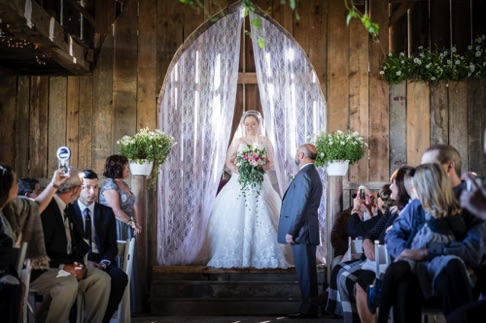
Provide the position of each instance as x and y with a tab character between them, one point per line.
139	188
335	205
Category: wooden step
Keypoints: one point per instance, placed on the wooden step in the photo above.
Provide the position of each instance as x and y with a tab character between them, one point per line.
225	289
222	306
202	290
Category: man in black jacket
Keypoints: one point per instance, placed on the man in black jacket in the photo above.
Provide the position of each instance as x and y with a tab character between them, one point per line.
98	224
67	275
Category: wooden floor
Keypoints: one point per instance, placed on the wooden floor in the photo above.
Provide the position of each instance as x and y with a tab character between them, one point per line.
190	293
229	319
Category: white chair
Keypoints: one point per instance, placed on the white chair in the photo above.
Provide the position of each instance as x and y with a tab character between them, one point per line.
24	275
382	258
125	255
355	245
21	257
25	278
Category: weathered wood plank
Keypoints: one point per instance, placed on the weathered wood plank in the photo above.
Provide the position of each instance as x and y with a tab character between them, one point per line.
475	103
301	27
359	109
192	19
212	7
8	113
379	97
317	29
282	13
22	125
170	32
460	24
418	121
147	53
440	35
125	73
338	69
125	115
57	120
247	78
103	106
419	26
239	102
398	34
105	16
439	114
39	112
85	122
458	116
398	125
72	122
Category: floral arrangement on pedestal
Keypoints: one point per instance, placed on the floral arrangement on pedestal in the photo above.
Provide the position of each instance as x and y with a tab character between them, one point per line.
147	145
250	168
338	146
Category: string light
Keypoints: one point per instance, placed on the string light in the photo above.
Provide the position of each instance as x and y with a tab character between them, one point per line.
40	57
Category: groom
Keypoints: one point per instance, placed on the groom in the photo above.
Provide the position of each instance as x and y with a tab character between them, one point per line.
299	226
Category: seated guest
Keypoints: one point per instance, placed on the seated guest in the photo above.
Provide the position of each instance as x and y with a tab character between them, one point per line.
10	289
442	223
474	200
342	230
29	187
351	277
66	248
451	286
339	235
365	214
98	224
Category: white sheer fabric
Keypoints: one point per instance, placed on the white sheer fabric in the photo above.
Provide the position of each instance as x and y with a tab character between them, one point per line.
196	107
292	101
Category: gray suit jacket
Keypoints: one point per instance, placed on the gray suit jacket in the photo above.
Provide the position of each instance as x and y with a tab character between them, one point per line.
299	213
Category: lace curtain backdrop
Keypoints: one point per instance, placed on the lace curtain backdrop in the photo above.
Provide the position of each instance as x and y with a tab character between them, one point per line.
294	107
196	107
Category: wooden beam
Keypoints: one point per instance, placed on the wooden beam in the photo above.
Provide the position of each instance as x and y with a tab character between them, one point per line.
27	20
86	14
403	1
400	11
247	78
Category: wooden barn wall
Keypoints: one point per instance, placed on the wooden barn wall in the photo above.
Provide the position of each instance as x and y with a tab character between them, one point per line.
89	113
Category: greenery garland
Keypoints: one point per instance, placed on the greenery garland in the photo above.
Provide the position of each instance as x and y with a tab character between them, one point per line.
435	65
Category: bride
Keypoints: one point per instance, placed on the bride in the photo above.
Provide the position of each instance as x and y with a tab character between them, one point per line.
242	229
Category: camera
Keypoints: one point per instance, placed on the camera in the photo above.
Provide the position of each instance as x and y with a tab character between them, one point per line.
63	155
362	193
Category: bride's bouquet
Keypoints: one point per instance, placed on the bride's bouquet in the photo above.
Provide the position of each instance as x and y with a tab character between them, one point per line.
250	166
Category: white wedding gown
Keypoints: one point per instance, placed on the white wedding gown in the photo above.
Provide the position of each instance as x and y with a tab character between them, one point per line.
242	230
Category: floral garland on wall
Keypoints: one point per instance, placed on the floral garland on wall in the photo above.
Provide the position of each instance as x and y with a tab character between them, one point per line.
435	65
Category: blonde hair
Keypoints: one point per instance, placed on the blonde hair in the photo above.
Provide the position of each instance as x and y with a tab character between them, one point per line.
434	190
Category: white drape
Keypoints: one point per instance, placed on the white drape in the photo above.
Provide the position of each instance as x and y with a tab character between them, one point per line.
292	101
196	106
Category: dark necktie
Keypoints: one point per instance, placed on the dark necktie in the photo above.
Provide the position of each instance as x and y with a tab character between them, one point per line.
87	226
67	228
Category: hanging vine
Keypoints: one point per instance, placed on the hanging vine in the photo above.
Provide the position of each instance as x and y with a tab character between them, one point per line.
248	5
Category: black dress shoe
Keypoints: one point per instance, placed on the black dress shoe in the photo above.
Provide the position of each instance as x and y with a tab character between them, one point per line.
302	316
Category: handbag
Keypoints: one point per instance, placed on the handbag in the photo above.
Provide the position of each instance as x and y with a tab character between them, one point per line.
373	292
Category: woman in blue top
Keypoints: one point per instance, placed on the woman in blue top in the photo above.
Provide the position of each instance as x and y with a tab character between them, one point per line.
116	194
442	223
